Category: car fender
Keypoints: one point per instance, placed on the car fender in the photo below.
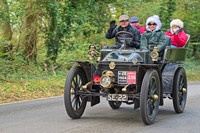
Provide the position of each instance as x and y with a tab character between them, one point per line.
168	77
88	68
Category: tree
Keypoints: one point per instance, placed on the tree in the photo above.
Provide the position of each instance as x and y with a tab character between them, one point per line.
6	45
188	11
69	19
167	9
52	41
29	30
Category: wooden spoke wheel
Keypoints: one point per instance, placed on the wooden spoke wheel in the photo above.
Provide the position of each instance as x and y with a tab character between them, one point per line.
75	103
179	93
150	96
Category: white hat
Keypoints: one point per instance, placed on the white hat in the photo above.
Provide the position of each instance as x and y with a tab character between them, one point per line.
176	22
155	19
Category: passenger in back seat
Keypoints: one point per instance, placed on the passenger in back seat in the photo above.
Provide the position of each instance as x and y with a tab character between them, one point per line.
177	34
134	21
153	36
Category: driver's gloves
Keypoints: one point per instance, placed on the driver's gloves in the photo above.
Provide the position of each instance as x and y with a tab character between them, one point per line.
112	24
175	31
131	44
111	28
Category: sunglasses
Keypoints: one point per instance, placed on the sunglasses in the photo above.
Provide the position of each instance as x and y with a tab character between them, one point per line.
152	24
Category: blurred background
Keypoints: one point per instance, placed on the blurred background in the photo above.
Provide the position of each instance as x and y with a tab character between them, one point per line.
38	38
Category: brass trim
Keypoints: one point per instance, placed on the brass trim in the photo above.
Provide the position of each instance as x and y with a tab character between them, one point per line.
155	97
105	86
124	89
134	61
87	85
98	59
155	51
184	90
71	91
112	65
92	49
110	75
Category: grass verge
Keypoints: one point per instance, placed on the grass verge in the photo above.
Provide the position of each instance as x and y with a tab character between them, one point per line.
20	90
192	70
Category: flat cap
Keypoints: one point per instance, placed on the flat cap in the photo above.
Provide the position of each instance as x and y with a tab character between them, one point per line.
123	18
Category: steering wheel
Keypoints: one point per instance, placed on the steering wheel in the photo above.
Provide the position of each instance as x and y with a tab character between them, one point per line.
122	36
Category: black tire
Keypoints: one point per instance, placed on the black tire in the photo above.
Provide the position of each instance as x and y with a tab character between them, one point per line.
148	104
179	96
114	104
74	103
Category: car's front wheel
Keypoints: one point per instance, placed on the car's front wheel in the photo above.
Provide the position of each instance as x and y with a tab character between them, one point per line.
150	96
75	103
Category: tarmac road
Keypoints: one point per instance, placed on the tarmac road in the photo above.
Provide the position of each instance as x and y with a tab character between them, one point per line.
49	116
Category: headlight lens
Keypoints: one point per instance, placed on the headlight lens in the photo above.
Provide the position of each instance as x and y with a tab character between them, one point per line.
105	81
91	53
154	54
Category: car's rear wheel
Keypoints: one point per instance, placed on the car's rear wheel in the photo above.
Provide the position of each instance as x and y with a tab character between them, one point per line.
150	96
75	103
114	104
179	90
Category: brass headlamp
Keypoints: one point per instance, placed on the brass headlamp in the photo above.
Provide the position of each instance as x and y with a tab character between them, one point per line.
154	54
92	52
107	79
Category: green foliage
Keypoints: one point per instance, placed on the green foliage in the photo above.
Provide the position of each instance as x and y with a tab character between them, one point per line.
188	11
78	51
143	10
193	69
17	68
71	19
4	14
193	51
167	9
66	28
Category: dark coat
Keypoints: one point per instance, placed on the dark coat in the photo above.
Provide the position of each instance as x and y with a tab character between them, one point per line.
149	39
134	31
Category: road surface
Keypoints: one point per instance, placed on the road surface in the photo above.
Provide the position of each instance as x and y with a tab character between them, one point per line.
49	116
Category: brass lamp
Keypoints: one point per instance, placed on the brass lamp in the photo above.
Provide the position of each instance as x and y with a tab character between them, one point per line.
154	54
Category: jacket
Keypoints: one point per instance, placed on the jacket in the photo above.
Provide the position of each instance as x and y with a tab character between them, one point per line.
141	29
150	39
156	37
134	31
177	40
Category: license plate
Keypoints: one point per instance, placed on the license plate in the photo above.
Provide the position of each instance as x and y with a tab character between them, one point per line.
126	77
117	97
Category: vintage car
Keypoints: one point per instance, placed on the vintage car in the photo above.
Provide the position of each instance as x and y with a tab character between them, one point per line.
132	76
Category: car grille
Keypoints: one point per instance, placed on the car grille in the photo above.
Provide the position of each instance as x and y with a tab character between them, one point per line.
128	66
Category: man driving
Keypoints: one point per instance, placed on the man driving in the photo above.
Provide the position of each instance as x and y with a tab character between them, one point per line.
124	26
